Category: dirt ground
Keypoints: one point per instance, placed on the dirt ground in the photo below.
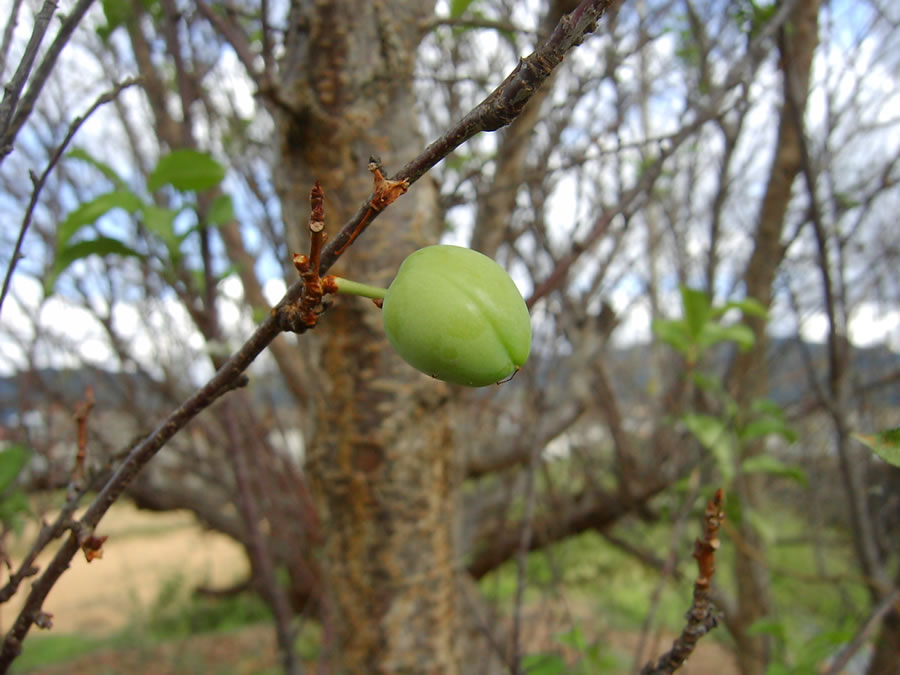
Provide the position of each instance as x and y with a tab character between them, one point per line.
144	551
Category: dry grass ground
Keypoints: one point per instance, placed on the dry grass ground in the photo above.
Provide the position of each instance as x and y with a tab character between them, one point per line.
146	550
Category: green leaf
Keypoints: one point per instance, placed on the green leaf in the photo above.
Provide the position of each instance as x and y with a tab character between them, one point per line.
458	7
885	444
714	435
765	527
221	212
12	460
89	212
713	333
544	664
734	509
102	167
697	309
12	506
160	221
767	626
748	307
83	249
774	467
573	638
765	426
186	170
117	13
673	332
707	382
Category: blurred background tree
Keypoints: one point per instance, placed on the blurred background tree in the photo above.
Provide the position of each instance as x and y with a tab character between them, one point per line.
746	150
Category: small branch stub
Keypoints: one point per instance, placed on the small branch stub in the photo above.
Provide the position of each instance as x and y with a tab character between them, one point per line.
90	543
81	415
702	617
385	193
305	313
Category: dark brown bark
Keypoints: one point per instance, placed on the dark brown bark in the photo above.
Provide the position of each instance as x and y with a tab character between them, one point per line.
748	380
382	464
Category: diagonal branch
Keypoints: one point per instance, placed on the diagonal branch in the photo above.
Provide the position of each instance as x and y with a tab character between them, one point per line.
500	108
39	183
497	110
19	111
702	617
13	89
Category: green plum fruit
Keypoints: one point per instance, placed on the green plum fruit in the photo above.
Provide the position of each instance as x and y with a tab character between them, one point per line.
456	315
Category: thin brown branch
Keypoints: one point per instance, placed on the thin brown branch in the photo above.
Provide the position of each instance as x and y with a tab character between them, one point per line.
256	545
233	35
81	415
227	378
8	31
496	111
669	567
526	534
13	89
890	601
39	183
595	511
702	617
24	106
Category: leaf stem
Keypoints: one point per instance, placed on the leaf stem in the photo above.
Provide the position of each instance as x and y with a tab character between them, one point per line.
356	288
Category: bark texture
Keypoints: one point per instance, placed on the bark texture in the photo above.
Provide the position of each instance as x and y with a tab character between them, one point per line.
797	44
381	464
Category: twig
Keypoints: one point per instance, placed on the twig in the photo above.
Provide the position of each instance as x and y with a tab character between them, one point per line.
522	558
259	552
864	632
8	33
668	567
39	183
494	112
13	88
82	412
702	616
228	377
24	107
307	312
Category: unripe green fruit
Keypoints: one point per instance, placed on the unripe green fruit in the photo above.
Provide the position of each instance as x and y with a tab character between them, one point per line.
456	315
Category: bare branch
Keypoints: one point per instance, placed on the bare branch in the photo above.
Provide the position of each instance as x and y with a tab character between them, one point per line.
500	108
497	110
22	109
13	90
39	183
8	33
702	616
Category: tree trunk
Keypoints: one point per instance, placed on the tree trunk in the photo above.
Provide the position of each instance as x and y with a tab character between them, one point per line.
381	463
797	44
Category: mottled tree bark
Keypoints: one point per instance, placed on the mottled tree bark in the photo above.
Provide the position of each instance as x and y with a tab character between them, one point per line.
797	44
381	463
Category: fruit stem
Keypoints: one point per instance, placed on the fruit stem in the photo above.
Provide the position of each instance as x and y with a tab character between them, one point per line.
355	288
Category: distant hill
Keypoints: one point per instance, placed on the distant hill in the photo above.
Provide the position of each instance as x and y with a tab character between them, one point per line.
628	367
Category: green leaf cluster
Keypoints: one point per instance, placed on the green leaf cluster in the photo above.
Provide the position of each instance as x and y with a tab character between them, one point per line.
183	170
701	326
725	433
13	503
592	658
120	13
885	444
